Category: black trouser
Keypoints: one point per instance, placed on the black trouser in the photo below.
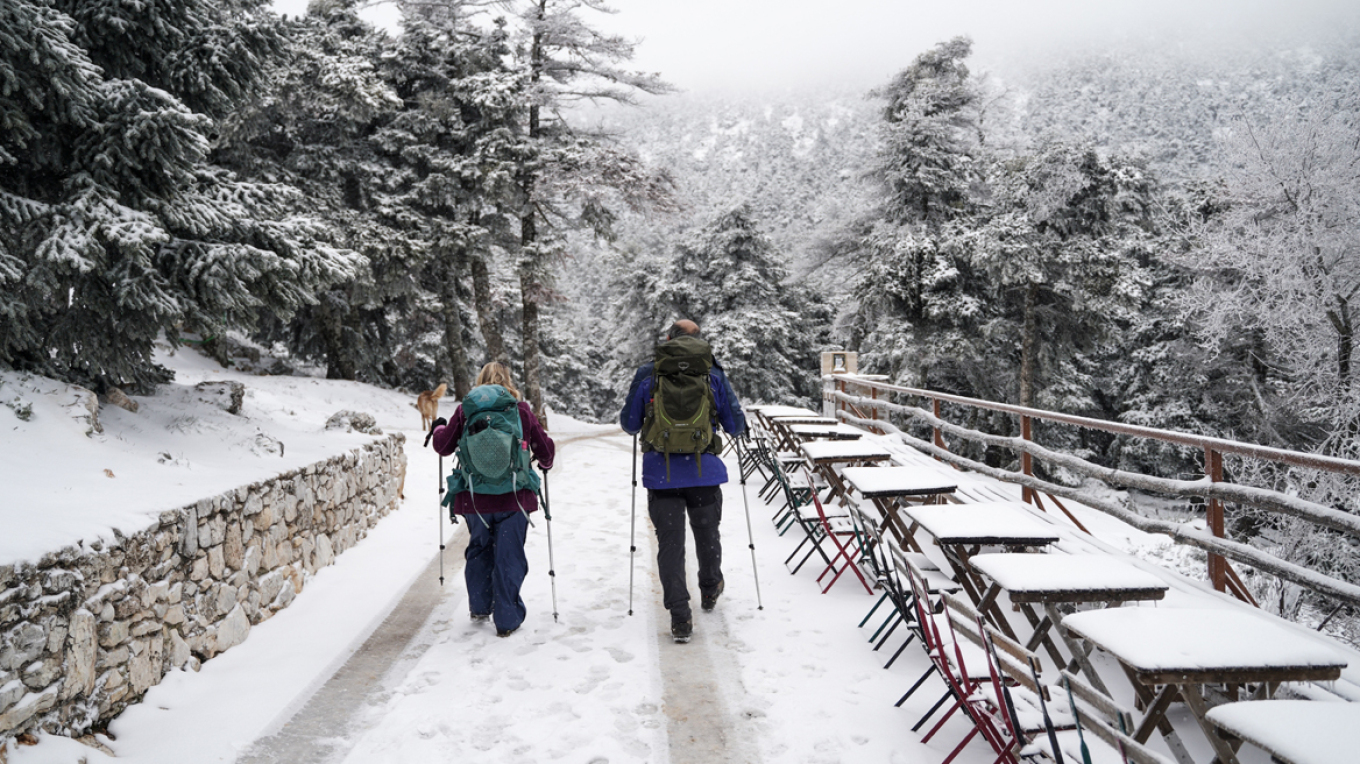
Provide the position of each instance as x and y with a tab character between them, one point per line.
667	508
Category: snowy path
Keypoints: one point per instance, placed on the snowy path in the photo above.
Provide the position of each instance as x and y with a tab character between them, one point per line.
795	682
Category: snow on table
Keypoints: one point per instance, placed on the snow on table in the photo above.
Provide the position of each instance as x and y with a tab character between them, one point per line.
1202	641
1001	522
843	451
1068	577
770	412
897	481
837	431
1294	731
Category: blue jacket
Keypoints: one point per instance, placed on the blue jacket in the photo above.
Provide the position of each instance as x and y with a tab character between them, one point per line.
684	472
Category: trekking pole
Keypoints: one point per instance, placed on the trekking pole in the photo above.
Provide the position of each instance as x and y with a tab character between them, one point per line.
552	570
632	530
439	514
750	537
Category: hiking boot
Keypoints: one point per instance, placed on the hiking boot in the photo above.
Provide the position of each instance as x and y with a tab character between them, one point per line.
506	632
709	601
481	617
681	631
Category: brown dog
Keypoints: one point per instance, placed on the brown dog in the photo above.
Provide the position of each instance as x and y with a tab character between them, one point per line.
428	404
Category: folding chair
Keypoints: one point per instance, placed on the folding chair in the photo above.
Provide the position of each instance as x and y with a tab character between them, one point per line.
933	638
843	534
970	669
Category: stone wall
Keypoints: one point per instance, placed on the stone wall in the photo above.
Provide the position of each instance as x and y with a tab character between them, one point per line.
86	630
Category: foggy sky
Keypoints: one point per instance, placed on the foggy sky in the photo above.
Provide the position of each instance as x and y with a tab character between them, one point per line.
742	45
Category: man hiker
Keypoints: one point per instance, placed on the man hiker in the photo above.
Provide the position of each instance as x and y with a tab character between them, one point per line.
675	404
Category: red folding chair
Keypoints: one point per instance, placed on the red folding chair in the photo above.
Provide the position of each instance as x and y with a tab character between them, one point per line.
845	536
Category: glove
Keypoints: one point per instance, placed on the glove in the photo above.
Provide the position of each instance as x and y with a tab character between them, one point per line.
440	422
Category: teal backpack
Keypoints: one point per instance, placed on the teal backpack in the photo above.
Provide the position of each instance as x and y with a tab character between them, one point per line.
493	456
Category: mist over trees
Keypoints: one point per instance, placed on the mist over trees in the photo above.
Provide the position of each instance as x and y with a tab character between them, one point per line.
1161	237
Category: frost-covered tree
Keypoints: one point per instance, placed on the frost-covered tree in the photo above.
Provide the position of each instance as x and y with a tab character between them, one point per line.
927	170
1280	269
730	280
562	179
1061	248
114	225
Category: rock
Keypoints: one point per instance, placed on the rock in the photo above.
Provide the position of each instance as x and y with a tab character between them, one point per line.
84	408
353	421
215	562
113	634
324	554
226	395
188	539
174	615
233	630
180	654
233	549
144	671
10	693
31	705
120	399
21	646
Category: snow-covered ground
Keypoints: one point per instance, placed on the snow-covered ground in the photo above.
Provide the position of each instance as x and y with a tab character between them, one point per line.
794	682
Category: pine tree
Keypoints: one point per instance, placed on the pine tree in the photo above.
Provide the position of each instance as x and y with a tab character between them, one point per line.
117	226
730	280
565	61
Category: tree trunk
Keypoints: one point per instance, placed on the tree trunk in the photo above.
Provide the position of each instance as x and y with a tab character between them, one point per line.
1028	346
1345	341
339	351
453	334
486	317
530	289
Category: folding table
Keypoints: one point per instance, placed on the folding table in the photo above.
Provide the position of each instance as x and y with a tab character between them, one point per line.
1185	649
962	530
886	485
780	427
827	455
841	431
1048	580
1293	731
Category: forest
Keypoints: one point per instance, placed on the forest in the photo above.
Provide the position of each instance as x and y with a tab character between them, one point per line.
1158	236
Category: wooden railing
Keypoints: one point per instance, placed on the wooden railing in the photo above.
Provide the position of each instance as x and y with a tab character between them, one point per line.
863	401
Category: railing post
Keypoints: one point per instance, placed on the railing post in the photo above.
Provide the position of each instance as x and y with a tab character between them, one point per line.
1026	462
840	388
873	393
939	438
1213	469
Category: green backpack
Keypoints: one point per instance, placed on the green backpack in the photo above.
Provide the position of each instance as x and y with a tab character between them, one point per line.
680	417
493	457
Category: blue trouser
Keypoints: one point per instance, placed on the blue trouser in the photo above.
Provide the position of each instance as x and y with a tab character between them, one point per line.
496	567
668	508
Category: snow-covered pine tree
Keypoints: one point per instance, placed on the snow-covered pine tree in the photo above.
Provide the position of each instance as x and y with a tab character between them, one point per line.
565	61
766	333
927	169
116	226
1061	247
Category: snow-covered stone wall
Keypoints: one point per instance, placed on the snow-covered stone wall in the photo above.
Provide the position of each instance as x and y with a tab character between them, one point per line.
86	630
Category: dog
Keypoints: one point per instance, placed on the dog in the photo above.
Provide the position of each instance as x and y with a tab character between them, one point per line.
428	405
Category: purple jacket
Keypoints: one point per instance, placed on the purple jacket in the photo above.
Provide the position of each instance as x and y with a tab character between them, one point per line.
445	442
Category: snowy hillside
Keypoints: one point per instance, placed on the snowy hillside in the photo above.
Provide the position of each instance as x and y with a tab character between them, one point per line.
66	483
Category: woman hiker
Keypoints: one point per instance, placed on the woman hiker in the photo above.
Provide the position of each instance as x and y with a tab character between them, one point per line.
495	490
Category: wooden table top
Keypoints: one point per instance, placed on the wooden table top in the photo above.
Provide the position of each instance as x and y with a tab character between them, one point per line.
1007	523
825	451
1163	645
873	482
1068	578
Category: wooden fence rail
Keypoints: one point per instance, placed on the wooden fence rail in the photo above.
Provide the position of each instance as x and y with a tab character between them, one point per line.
861	401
